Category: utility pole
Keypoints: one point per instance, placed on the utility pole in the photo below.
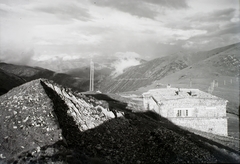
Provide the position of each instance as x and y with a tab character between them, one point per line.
91	86
190	85
211	87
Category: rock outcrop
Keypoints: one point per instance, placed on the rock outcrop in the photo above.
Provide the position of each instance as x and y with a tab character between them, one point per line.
27	120
31	114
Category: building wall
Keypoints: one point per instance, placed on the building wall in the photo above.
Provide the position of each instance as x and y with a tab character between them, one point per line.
195	107
211	125
208	115
150	104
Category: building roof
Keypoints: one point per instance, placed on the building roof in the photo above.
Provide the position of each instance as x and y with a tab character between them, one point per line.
179	93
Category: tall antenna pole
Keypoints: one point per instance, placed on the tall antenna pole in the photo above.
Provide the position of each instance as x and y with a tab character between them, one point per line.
91	87
92	76
90	82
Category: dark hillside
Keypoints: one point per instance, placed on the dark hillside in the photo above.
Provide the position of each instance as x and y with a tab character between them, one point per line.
9	81
32	73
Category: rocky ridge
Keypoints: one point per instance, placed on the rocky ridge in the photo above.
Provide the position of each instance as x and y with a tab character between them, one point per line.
83	111
28	119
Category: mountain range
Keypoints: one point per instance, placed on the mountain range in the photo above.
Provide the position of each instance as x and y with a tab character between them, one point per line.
14	75
223	61
75	74
182	69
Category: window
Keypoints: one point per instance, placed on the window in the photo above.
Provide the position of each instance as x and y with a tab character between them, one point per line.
179	113
183	112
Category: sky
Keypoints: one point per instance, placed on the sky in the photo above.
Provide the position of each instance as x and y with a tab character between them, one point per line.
42	30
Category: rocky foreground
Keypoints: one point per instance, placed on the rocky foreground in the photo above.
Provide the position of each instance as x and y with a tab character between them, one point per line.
42	122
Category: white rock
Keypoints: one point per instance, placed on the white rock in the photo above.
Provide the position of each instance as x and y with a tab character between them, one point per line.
2	156
38	149
25	120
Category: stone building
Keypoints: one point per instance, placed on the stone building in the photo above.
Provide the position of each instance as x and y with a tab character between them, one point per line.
190	108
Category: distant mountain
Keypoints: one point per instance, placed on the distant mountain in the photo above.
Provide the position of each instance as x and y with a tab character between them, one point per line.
43	122
60	65
141	75
30	73
9	81
145	74
224	63
102	71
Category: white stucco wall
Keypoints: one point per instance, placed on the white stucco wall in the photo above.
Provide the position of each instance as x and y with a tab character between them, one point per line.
211	125
208	115
212	108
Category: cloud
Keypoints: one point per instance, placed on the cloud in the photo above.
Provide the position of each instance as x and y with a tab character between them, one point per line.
186	25
215	16
223	35
107	27
221	28
209	21
229	28
65	10
124	60
17	56
142	8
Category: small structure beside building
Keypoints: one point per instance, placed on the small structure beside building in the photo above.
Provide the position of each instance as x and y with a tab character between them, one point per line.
190	108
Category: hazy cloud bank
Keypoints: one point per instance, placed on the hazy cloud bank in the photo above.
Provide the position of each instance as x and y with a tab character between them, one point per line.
125	60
